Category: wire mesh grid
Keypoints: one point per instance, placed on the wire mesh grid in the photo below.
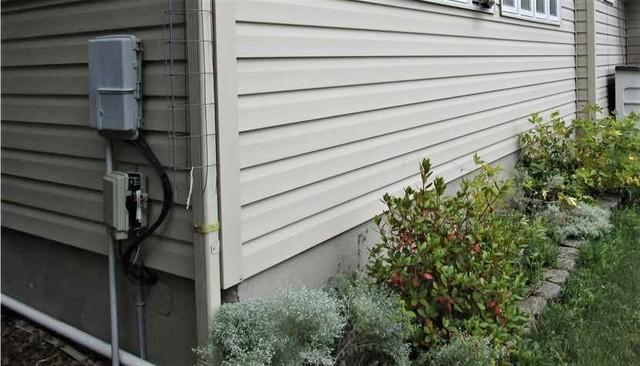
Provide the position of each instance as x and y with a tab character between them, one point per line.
178	43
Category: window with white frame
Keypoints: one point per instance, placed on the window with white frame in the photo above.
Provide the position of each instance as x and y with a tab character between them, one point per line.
544	10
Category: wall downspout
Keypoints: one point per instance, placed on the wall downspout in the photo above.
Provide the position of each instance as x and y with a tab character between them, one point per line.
202	121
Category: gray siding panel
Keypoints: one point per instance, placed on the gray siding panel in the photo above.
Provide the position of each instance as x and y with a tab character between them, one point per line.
611	49
582	55
339	100
52	163
633	32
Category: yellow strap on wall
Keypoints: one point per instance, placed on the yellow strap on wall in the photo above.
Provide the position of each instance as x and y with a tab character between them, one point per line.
206	229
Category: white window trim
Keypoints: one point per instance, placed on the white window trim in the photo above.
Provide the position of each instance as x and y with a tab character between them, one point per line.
516	12
558	16
524	12
547	10
463	4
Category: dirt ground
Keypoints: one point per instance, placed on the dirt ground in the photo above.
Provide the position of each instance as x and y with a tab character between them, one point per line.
26	344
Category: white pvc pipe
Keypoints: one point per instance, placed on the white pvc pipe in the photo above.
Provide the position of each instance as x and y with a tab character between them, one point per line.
67	331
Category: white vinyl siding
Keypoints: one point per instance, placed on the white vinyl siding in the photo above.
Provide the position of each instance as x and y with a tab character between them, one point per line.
611	43
339	101
633	32
52	162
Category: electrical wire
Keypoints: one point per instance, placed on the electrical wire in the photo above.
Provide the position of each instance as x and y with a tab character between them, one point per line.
132	257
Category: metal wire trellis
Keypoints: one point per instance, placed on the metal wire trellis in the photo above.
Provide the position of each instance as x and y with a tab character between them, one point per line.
178	43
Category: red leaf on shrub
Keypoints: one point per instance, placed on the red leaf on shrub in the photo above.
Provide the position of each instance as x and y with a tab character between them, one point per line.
396	279
450	236
445	302
497	310
427	276
476	248
416	282
407	239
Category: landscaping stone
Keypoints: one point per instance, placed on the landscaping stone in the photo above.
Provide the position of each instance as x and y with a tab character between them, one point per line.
557	276
566	263
571	243
548	290
553	278
532	305
609	202
569	252
567	258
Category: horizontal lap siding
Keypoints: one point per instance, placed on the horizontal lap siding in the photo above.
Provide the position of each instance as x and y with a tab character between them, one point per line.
340	100
52	163
633	31
611	49
582	56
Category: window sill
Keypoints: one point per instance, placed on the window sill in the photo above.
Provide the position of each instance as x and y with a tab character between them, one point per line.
453	4
529	19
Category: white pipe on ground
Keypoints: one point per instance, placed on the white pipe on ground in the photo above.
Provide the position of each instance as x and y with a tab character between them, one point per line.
84	339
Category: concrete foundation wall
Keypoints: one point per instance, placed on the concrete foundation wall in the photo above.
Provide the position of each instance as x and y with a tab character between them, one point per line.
71	285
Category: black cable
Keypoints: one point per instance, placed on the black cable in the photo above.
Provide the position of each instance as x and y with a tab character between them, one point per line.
132	257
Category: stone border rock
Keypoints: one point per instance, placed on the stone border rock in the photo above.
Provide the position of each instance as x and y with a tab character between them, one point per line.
553	279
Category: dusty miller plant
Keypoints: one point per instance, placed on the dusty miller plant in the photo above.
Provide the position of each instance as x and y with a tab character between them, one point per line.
378	327
294	327
584	221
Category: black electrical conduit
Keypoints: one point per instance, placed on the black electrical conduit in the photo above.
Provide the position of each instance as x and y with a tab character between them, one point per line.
132	257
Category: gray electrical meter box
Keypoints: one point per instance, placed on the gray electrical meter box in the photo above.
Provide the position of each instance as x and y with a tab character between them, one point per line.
115	86
116	215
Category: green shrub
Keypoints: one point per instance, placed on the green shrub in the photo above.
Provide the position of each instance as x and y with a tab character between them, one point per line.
584	221
378	328
294	327
608	151
539	251
453	259
547	165
464	350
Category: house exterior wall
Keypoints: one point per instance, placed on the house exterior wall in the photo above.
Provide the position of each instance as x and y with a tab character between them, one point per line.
52	162
633	32
344	253
611	49
70	284
585	54
53	237
339	100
